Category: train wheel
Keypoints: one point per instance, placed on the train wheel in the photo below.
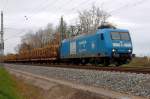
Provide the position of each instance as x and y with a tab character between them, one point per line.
83	61
117	63
96	63
106	62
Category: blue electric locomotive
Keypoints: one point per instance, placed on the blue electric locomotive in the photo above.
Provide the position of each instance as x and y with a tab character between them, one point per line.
106	46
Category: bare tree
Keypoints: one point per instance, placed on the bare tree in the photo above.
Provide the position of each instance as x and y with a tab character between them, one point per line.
41	38
90	20
27	39
48	34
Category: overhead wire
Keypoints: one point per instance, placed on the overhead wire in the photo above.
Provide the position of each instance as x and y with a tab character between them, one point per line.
127	6
62	7
22	31
78	7
86	3
75	7
43	7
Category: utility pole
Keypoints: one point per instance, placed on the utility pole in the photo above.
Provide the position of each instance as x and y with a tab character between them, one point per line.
62	29
1	36
72	29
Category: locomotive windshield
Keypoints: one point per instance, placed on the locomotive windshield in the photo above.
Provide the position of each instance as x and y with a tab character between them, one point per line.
120	36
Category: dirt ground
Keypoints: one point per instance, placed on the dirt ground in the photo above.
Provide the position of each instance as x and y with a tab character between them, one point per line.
34	86
63	92
56	91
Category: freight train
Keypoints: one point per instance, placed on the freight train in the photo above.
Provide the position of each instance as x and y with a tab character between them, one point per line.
108	45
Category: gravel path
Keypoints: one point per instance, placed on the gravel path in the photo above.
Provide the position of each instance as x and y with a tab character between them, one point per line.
131	83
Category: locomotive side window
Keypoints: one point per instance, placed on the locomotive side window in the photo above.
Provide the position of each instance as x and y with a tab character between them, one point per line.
115	35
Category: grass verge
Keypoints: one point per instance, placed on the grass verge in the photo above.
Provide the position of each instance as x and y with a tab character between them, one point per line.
12	87
29	91
8	88
139	62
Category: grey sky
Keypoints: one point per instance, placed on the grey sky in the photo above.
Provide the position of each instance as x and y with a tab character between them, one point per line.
129	14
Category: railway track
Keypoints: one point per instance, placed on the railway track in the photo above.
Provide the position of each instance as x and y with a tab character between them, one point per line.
143	70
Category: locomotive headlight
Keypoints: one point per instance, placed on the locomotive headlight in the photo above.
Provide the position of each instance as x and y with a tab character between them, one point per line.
113	50
129	50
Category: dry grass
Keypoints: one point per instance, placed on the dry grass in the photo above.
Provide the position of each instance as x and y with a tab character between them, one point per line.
28	91
139	62
8	86
58	92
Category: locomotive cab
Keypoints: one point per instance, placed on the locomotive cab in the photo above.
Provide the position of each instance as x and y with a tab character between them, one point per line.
119	43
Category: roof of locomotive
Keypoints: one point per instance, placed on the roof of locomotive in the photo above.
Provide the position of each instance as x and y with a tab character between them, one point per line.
104	30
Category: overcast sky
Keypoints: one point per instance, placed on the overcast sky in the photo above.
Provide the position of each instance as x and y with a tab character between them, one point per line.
129	14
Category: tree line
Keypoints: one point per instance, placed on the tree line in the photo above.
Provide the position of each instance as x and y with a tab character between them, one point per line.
87	22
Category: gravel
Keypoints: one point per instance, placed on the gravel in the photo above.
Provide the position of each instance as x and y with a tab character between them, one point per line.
130	83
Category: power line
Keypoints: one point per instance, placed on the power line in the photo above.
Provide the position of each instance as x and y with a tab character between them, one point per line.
127	6
16	34
63	6
40	7
85	3
79	6
13	37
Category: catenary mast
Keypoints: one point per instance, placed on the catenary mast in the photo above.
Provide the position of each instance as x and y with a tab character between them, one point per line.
1	36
